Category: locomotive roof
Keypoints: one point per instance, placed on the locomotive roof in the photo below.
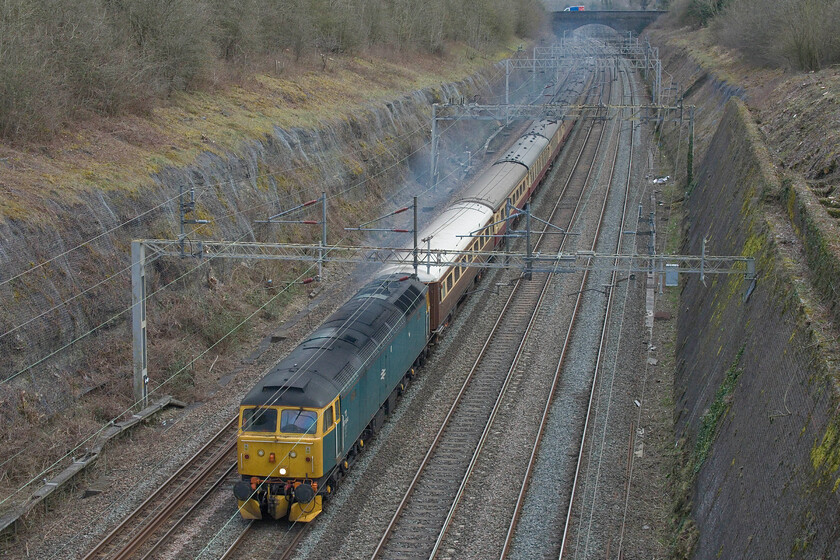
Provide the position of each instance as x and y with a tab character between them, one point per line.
323	365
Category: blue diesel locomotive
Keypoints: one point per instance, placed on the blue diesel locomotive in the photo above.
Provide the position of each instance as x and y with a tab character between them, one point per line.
306	421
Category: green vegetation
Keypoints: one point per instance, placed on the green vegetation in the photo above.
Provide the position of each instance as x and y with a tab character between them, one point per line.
687	464
795	34
719	407
61	60
701	11
825	457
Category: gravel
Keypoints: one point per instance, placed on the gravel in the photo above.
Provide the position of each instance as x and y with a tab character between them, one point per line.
596	524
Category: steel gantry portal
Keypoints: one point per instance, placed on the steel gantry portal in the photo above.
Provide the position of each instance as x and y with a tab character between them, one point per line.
666	106
528	262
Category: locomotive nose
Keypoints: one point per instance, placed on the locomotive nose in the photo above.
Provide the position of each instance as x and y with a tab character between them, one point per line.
304	493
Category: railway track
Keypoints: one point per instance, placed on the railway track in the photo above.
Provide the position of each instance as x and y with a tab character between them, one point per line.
142	533
590	454
282	545
520	500
425	512
498	505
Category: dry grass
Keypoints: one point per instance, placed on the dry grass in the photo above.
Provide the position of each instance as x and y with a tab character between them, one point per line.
122	152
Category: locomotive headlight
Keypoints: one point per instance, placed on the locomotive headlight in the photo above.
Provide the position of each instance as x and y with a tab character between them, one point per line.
292	454
282	472
260	452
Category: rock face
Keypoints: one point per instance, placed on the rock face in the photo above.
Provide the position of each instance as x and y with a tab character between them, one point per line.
65	278
755	397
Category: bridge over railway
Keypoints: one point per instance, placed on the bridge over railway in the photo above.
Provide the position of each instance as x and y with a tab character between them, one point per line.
620	20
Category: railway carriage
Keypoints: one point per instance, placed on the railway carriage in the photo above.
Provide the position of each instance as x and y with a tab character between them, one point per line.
303	424
447	284
480	211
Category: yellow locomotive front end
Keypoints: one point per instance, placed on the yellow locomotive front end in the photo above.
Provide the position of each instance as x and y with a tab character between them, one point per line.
280	460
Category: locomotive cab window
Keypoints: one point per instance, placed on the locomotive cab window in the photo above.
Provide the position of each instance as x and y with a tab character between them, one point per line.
328	419
259	420
298	421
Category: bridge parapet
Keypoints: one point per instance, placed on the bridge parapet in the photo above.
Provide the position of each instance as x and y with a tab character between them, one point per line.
620	20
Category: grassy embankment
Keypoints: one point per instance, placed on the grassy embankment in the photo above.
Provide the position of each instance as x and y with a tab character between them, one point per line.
122	152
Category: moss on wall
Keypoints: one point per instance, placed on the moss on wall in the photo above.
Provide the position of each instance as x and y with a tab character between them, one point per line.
755	395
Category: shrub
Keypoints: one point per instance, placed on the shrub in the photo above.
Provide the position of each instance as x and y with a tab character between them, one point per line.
796	34
63	59
698	12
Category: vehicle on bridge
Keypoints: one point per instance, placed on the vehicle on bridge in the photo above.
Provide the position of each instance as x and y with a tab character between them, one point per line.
575	9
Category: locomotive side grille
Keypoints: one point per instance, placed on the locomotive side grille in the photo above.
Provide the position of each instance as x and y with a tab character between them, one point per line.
346	374
368	351
409	300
